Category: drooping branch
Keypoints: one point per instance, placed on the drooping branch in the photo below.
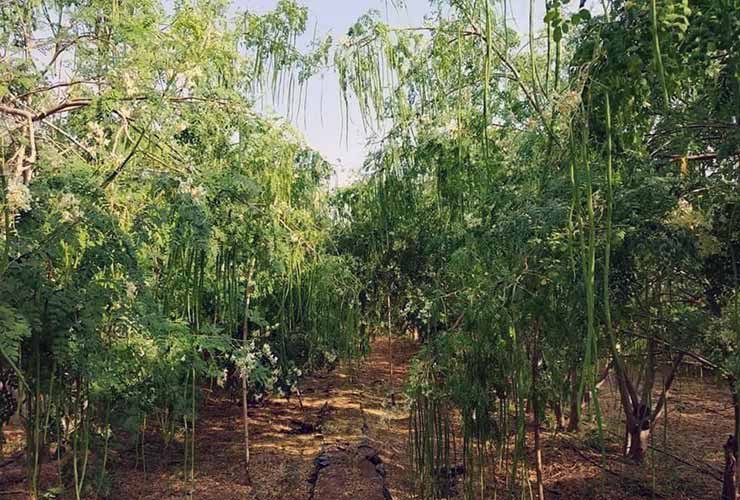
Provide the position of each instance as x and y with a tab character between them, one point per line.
55	86
474	31
531	98
73	104
24	162
689	354
117	171
16	112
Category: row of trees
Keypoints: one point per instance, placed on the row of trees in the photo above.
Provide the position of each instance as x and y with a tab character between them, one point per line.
156	231
540	211
546	210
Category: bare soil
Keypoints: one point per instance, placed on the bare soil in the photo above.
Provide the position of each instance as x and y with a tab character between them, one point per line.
350	408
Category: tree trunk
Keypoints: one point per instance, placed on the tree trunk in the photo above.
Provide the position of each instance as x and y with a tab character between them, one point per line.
536	412
638	440
245	375
574	416
733	442
245	411
639	416
390	353
538	456
557	409
728	478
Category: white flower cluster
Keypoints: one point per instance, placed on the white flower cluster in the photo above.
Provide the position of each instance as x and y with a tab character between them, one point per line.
293	376
131	290
249	356
195	192
267	353
246	359
329	356
129	83
448	130
222	377
97	134
568	103
192	76
18	196
69	206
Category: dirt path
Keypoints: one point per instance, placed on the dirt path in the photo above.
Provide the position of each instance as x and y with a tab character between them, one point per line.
351	408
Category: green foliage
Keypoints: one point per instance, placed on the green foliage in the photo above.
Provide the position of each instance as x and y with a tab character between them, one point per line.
144	201
535	214
14	330
530	214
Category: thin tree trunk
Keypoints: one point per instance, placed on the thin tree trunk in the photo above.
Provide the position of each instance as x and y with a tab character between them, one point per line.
245	375
557	409
390	352
574	417
734	381
536	411
728	478
245	410
731	475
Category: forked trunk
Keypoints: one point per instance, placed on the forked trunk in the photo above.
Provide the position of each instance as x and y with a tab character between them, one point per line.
638	440
639	415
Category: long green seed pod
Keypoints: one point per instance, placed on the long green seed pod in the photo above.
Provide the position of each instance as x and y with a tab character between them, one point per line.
658	55
487	78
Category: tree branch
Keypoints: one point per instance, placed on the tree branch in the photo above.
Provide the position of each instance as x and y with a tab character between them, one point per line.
667	386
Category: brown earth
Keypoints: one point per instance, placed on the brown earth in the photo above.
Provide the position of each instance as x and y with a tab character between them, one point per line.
351	408
341	408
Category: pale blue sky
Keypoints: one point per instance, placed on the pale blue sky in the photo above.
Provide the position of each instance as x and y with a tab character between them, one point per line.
335	17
